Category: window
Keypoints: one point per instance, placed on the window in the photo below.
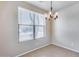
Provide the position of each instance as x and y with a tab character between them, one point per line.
39	25
31	24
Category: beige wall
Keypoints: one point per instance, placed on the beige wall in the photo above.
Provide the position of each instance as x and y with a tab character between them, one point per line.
9	44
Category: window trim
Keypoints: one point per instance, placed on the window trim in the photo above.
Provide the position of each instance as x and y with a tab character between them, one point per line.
34	26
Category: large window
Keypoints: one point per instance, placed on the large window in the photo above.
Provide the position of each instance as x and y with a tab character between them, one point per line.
31	25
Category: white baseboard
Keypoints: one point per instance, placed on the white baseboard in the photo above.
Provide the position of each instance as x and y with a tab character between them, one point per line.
66	47
47	45
31	50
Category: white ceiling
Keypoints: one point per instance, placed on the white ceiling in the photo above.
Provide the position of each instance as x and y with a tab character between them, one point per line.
57	5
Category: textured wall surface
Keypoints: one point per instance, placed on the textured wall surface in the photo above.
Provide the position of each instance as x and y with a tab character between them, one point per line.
9	44
66	28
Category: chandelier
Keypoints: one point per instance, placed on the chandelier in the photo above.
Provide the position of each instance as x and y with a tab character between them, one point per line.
51	14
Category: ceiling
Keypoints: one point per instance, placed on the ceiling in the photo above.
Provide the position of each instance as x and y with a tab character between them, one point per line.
57	5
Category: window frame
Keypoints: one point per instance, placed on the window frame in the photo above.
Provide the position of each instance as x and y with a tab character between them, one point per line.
34	26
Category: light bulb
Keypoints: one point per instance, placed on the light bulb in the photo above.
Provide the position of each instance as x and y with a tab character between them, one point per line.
50	12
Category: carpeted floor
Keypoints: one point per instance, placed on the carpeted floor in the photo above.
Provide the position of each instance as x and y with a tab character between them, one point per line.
52	51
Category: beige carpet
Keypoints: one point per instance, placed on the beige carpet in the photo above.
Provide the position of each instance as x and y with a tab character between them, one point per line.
52	51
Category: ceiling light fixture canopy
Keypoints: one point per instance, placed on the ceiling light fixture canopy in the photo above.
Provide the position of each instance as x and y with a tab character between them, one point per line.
51	14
